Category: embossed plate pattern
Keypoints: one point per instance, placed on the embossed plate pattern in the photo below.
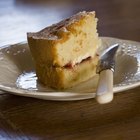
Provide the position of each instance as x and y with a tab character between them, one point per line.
17	73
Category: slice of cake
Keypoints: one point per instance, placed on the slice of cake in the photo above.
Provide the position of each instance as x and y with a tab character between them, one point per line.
65	53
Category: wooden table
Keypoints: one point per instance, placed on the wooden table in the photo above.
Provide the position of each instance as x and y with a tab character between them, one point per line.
33	119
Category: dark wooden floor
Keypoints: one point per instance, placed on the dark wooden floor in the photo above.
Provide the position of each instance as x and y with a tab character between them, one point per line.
32	119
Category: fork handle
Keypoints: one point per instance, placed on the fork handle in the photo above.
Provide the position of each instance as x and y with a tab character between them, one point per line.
104	92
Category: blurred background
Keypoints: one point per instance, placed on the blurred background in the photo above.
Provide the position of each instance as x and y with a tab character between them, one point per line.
117	18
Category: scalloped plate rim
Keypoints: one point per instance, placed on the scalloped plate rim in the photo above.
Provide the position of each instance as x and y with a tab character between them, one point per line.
69	96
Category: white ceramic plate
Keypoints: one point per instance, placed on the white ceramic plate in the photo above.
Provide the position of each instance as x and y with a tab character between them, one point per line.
17	74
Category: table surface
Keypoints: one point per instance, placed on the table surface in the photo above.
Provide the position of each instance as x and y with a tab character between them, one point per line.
24	118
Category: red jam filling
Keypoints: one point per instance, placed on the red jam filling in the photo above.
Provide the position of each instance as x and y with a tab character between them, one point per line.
69	65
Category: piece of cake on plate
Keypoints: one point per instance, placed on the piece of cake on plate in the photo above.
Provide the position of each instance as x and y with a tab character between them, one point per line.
65	53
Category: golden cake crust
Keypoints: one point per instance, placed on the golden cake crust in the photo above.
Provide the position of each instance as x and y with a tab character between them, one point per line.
59	51
64	42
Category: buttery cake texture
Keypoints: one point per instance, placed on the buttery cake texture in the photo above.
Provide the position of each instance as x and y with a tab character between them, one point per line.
65	53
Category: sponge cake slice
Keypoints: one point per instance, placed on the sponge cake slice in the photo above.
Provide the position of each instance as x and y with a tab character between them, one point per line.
59	50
